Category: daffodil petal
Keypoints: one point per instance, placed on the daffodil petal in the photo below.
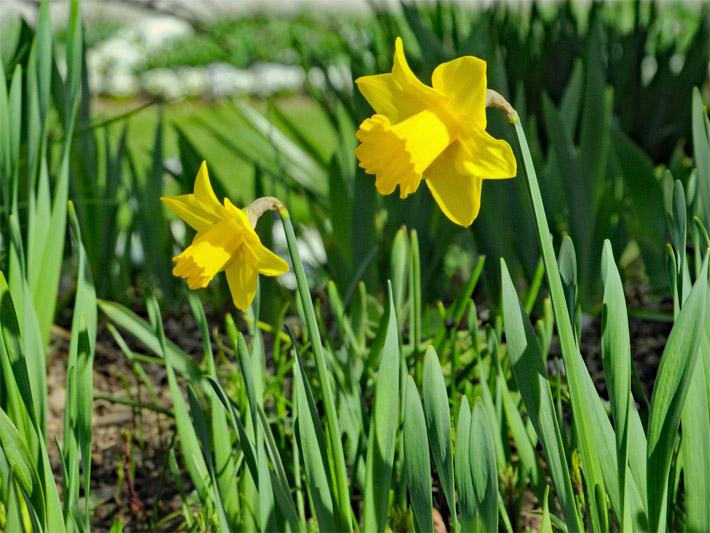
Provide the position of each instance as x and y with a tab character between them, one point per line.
269	263
457	194
403	74
241	277
191	211
486	156
208	254
200	209
390	98
239	217
204	193
463	82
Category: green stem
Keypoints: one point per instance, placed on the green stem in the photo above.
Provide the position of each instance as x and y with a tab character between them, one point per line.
582	403
335	440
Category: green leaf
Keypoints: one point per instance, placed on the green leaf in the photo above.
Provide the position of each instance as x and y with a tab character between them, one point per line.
616	357
438	421
417	466
695	442
590	420
546	526
315	454
531	377
399	261
200	424
525	448
128	321
646	195
225	462
701	153
383	427
568	273
669	393
462	468
189	443
81	348
483	468
341	491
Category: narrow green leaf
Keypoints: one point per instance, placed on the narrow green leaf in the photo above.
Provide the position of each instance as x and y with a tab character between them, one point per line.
200	424
616	357
398	268
695	442
701	153
525	448
458	308
342	493
546	526
438	421
314	452
117	526
18	455
383	427
189	443
224	460
669	393
417	467
250	452
531	377
128	321
14	510
568	273
462	468
483	468
415	292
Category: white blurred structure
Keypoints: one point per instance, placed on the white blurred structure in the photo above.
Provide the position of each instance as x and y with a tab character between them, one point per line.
206	10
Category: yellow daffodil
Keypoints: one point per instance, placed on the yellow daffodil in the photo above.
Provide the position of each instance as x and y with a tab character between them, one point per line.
225	240
437	133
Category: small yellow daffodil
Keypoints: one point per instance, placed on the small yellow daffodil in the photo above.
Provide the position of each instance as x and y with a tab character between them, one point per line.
225	240
437	133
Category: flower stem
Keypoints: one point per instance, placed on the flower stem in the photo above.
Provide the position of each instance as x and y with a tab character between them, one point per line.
582	392
335	441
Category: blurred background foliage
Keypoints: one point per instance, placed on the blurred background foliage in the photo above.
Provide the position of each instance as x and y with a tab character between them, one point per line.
586	79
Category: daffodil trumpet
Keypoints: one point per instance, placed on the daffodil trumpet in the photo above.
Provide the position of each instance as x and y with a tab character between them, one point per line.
435	133
225	241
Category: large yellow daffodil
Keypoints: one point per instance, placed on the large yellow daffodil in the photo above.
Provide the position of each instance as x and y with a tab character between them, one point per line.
225	240
437	133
